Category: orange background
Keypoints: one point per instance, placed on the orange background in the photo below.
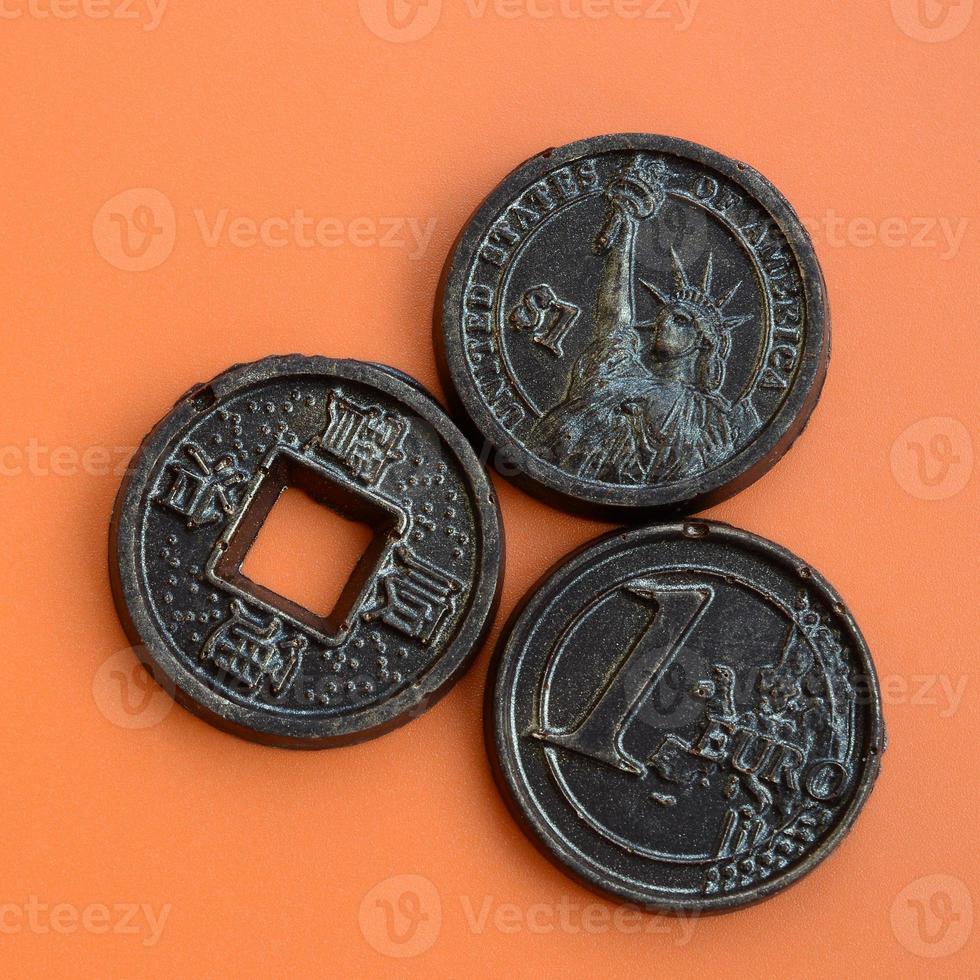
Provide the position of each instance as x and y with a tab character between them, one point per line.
265	856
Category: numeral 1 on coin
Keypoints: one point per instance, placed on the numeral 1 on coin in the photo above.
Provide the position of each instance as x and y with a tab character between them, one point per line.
673	613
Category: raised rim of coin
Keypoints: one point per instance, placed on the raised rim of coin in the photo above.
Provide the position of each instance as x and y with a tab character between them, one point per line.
630	503
266	726
507	766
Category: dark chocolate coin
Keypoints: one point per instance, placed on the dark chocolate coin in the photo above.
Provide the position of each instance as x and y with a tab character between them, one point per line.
634	326
684	716
362	439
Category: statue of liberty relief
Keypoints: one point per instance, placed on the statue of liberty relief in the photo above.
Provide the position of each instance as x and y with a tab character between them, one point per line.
643	402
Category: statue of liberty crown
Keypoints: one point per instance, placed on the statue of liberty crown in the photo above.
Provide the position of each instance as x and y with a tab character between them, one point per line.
698	297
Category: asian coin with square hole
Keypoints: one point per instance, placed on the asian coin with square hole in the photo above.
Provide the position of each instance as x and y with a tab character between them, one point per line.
371	444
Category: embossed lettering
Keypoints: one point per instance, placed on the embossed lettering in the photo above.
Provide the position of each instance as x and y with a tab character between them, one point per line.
253	651
480	296
365	439
825	779
550	318
204	492
417	597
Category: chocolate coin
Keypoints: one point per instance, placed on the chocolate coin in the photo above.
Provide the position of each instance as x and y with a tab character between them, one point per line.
684	716
633	326
369	443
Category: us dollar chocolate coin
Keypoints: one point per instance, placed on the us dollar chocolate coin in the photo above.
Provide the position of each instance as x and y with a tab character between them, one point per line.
633	326
684	716
367	442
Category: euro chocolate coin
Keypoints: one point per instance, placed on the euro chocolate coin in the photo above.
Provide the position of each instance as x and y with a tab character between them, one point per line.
685	717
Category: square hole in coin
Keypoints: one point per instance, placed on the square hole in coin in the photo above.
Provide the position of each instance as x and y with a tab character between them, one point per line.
305	545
